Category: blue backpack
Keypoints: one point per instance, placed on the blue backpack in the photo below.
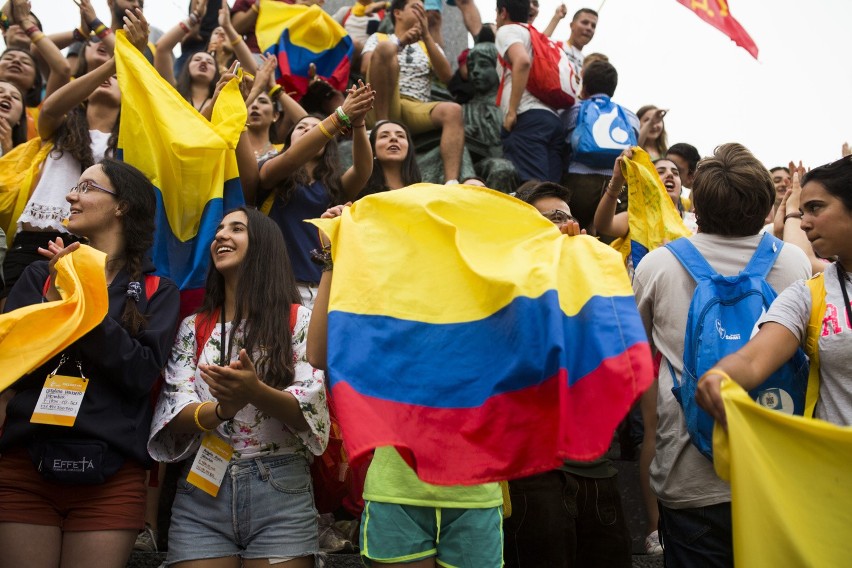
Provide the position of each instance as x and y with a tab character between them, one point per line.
603	131
722	318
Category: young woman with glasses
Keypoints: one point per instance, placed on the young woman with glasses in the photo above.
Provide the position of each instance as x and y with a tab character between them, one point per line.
48	520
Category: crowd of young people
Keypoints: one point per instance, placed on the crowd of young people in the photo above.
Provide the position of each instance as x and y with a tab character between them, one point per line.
243	392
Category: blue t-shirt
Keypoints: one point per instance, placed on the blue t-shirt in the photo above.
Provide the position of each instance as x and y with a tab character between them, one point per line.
307	202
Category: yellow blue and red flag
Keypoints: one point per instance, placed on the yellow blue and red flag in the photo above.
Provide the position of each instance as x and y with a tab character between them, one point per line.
652	218
791	484
299	35
466	331
190	161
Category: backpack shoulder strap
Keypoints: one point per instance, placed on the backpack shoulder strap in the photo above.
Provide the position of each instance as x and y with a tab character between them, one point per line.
294	316
816	285
765	256
691	259
204	324
152	284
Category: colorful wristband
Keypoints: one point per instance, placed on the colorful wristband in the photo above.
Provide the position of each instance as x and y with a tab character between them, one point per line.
274	92
342	116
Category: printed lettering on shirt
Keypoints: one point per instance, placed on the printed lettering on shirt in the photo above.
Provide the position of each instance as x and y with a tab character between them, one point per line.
831	321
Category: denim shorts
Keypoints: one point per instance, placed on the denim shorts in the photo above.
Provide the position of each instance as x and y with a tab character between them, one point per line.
265	509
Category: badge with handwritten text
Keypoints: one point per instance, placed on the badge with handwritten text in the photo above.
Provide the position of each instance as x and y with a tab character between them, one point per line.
211	463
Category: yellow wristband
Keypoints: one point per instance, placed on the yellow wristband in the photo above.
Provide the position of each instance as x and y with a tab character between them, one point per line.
237	41
273	92
717	371
197	412
325	131
255	7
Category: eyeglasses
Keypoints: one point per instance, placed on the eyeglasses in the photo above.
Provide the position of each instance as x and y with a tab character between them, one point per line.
558	217
84	187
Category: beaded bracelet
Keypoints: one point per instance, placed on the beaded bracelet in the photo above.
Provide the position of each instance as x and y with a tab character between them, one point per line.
794	215
197	412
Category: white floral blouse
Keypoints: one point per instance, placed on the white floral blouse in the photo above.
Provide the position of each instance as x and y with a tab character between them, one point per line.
251	433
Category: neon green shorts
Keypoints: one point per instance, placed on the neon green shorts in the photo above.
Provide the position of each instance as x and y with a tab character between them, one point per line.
460	538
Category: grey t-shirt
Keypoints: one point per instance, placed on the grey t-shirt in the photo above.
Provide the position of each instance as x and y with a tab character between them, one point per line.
680	476
792	309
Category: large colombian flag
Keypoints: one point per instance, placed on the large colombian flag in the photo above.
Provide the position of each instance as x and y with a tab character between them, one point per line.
791	484
652	218
300	35
465	330
190	161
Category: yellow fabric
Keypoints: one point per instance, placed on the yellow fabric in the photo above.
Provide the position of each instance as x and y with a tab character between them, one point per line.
19	170
31	335
411	217
171	143
817	287
652	218
791	485
310	27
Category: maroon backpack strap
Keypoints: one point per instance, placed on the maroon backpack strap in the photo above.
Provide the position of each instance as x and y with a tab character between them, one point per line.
152	284
204	324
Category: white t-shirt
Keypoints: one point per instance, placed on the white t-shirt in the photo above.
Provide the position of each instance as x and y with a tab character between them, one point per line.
47	207
792	309
356	26
575	56
680	476
508	35
415	69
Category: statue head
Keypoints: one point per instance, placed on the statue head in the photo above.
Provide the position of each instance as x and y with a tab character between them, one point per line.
482	71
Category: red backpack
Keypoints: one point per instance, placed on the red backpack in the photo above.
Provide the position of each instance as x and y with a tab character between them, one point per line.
552	79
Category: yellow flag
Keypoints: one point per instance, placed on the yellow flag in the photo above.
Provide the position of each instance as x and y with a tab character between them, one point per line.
18	176
652	217
31	335
791	485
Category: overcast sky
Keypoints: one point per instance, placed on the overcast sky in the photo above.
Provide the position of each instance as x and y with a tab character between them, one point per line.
794	102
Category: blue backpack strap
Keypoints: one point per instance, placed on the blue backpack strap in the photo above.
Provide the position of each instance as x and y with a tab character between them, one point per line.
764	257
691	259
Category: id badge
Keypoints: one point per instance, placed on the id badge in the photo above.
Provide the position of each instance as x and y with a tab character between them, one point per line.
210	464
60	399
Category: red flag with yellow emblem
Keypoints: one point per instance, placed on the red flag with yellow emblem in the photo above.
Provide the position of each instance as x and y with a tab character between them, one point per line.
717	14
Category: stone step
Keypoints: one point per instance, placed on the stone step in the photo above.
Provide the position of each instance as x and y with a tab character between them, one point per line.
153	560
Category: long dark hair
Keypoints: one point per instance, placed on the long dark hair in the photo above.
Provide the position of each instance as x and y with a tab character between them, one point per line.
327	171
73	137
138	204
264	294
410	169
183	83
19	131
